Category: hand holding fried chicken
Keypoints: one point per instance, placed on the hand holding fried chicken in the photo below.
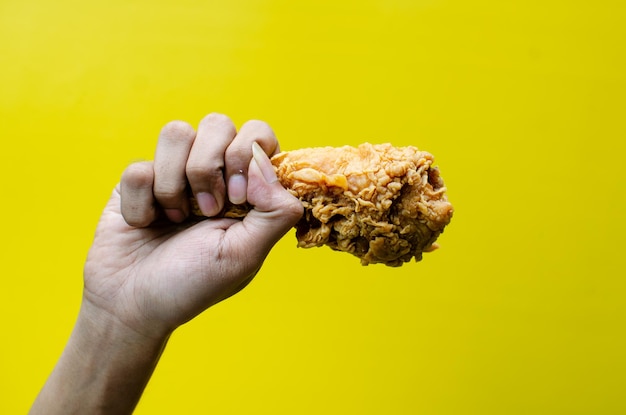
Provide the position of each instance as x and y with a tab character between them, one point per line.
381	203
157	261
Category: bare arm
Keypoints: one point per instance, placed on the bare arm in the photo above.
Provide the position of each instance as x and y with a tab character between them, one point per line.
103	370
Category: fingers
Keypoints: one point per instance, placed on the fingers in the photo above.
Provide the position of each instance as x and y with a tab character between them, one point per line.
184	157
205	164
275	211
170	161
239	153
213	164
218	162
137	200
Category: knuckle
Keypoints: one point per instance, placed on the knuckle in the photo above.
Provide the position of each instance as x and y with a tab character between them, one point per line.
178	130
294	210
236	152
217	119
199	173
138	175
169	193
291	208
260	129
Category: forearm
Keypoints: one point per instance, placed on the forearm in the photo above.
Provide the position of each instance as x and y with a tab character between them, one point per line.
103	369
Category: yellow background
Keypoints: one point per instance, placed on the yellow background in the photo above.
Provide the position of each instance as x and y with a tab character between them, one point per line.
523	105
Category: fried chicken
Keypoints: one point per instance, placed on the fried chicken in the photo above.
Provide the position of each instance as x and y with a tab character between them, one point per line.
381	203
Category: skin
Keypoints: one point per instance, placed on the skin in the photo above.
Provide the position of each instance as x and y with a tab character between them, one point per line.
152	268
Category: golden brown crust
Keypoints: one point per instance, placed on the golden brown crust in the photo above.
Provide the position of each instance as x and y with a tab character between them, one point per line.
382	203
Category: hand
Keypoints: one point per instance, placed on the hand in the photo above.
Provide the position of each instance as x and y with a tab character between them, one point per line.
154	268
151	267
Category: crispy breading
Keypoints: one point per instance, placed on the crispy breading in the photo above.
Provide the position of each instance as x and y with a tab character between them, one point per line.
382	203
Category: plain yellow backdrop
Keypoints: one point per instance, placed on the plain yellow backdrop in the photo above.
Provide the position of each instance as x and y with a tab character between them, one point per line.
522	103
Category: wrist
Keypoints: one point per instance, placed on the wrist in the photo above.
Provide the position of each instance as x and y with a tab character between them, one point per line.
103	369
98	323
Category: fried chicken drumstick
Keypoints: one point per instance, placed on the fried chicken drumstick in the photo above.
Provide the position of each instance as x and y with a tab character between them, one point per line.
381	203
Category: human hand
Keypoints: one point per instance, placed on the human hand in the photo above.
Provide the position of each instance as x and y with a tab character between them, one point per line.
151	266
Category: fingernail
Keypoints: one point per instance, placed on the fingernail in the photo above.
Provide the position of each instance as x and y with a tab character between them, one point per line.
175	215
237	189
264	163
207	204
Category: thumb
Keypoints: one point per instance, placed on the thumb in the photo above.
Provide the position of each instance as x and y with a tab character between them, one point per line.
275	210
